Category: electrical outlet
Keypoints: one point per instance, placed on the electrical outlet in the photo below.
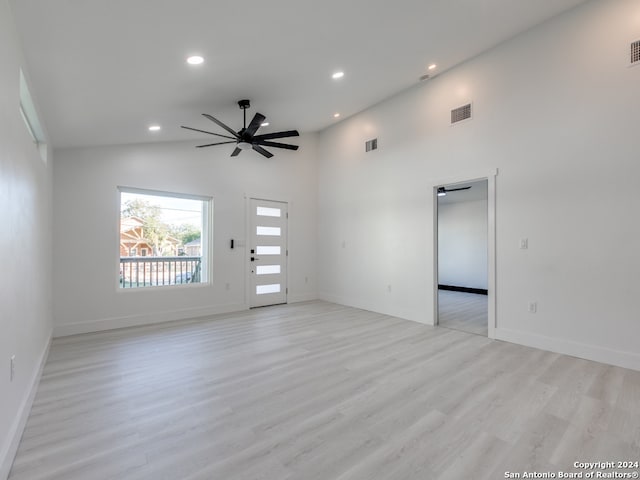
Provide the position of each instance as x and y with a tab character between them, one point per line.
524	243
533	307
12	372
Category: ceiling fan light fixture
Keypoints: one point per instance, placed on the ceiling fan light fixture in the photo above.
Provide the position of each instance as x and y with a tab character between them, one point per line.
195	60
337	75
245	146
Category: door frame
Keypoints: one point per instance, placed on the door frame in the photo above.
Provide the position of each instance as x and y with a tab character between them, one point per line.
247	245
490	177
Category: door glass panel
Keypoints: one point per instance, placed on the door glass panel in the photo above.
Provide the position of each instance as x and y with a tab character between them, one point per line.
267	250
272	231
268	212
264	289
267	269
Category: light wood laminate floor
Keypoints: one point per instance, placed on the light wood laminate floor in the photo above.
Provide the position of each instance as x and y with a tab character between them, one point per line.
319	391
463	311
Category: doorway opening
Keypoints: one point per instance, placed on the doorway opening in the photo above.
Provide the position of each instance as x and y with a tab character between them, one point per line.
462	256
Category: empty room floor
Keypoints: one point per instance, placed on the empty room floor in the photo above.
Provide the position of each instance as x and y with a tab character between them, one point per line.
319	391
463	311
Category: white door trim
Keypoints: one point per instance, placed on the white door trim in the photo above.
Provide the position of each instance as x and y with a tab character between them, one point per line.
490	177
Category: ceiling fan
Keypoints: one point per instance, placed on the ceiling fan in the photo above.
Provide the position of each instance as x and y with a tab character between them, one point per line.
442	191
246	137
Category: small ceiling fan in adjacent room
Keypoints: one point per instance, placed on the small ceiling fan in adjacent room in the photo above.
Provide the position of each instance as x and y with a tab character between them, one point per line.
442	191
246	137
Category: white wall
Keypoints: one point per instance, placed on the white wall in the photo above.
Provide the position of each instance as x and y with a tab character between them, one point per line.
555	110
462	244
25	250
86	209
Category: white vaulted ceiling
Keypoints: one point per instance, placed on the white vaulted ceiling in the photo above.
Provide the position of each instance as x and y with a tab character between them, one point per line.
102	71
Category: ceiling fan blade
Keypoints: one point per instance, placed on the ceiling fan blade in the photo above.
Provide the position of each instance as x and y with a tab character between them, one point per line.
262	151
456	189
277	145
212	144
236	152
269	136
219	123
210	133
253	127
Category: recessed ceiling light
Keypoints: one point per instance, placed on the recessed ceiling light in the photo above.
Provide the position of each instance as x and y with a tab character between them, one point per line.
265	124
195	60
154	128
432	66
337	75
336	115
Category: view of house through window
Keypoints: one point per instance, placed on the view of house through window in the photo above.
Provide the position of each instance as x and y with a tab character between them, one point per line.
162	239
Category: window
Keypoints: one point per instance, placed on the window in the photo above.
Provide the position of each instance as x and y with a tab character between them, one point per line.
163	238
30	117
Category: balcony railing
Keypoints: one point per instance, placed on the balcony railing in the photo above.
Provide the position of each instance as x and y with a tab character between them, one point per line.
158	271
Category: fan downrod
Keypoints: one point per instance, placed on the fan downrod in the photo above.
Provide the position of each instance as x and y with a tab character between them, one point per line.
244	104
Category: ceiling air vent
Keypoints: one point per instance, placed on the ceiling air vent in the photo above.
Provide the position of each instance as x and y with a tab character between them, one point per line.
371	145
461	113
635	53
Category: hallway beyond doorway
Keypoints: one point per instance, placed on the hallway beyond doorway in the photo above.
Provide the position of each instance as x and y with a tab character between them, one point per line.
463	311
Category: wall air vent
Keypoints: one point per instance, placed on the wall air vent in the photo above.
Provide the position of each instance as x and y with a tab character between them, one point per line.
635	53
371	145
461	113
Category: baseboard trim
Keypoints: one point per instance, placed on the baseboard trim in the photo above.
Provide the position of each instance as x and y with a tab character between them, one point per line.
594	353
567	347
17	428
113	323
453	288
384	309
301	297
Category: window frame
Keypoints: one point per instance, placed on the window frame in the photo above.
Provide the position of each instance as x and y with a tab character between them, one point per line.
31	119
206	253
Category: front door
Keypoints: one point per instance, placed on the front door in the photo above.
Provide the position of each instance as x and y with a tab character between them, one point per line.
268	253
